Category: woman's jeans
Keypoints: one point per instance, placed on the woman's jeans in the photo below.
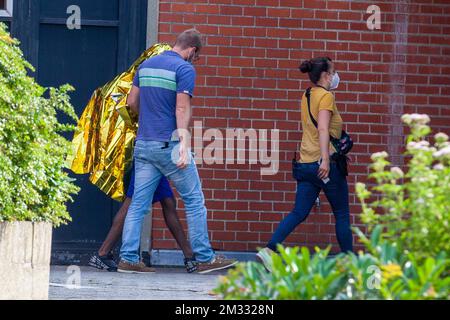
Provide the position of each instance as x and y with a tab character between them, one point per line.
308	189
154	159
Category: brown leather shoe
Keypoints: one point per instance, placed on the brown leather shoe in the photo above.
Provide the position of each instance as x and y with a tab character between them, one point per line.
218	263
127	267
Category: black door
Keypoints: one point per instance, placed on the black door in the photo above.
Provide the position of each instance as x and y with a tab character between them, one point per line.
112	34
6	12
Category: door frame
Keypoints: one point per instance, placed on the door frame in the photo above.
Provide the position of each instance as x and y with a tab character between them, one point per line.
132	24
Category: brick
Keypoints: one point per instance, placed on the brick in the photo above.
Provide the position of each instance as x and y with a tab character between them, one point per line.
218	61
260	226
231	31
219	20
337	25
290	23
315	4
326	15
170	17
249	216
195	18
278	12
243	21
266	22
243	42
182	7
267	3
237	226
245	2
209	9
255	11
247	236
350	15
223	235
237	205
231	10
326	35
236	246
338	5
313	24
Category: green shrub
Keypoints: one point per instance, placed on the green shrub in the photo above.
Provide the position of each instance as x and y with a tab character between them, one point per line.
414	208
395	273
407	254
33	184
294	276
386	275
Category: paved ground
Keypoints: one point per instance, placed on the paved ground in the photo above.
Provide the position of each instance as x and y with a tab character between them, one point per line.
165	284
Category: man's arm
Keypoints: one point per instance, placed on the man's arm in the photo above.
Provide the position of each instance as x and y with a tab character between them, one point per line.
183	114
133	99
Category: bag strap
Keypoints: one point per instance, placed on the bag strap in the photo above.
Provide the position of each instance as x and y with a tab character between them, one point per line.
308	97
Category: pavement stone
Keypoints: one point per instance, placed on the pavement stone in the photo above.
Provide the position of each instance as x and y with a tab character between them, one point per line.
86	283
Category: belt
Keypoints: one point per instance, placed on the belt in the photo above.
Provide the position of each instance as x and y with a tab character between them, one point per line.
315	162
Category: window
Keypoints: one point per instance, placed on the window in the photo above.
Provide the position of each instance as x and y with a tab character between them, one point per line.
6	8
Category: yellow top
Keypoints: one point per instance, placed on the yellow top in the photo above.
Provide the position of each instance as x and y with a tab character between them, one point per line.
321	99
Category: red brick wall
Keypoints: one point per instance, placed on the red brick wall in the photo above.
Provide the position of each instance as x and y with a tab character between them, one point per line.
248	77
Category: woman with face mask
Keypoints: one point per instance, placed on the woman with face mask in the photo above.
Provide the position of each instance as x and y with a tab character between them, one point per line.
316	171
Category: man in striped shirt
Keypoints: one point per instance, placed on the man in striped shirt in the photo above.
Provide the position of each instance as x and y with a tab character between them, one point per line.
161	94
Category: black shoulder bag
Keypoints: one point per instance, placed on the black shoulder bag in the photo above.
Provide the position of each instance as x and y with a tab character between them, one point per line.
342	145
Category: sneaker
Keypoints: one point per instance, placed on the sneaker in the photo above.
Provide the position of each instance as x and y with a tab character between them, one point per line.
103	262
140	267
146	259
190	264
218	263
264	256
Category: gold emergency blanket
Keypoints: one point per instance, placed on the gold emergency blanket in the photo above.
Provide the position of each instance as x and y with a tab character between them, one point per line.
104	139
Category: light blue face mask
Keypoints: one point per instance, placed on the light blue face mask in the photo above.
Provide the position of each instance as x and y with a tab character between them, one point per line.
335	82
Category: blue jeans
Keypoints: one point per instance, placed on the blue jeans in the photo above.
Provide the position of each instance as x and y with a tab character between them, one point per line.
308	189
163	191
153	159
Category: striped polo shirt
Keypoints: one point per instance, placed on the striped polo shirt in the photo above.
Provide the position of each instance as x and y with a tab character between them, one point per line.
160	79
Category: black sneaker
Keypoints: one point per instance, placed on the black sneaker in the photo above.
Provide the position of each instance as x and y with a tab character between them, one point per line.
103	262
146	259
190	264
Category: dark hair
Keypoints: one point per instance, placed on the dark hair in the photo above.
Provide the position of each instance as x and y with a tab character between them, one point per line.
189	38
315	67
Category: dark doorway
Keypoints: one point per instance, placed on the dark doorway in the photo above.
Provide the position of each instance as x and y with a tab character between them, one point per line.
112	35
